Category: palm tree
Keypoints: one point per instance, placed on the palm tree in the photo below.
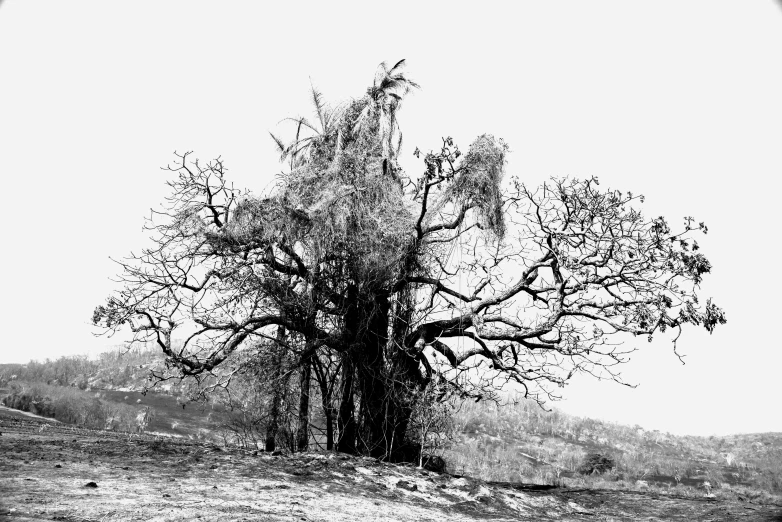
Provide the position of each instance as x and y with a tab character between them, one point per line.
298	150
385	96
381	103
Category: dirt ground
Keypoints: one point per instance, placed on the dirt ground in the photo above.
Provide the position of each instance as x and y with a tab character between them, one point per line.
51	471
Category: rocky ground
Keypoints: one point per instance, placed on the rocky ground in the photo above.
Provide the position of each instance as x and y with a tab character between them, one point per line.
50	471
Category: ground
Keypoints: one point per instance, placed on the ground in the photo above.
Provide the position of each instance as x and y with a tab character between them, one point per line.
51	471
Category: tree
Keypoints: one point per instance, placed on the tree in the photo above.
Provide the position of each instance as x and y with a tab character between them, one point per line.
431	423
327	368
398	277
258	397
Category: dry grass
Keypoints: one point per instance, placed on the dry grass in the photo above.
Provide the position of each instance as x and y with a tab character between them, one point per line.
71	405
44	470
526	444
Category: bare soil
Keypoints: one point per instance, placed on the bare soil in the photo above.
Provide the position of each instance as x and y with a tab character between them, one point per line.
51	471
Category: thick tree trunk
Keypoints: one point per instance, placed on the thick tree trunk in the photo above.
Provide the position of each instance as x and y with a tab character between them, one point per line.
383	378
407	377
346	421
375	399
303	434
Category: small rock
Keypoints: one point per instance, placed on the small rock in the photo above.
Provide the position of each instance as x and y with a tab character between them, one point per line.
460	483
214	487
409	486
58	465
481	494
166	495
276	453
90	485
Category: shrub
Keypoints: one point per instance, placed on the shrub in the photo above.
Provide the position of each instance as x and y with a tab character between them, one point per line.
596	463
435	463
71	406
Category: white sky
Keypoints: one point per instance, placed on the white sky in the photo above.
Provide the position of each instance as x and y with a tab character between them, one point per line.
677	100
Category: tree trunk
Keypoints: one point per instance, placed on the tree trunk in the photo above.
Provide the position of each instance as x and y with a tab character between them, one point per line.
273	426
375	399
303	435
329	411
346	421
407	377
279	390
326	382
380	375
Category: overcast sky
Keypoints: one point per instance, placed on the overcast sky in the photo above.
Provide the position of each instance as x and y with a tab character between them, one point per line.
678	100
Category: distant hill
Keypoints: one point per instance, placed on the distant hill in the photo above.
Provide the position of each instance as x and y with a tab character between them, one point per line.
113	370
521	442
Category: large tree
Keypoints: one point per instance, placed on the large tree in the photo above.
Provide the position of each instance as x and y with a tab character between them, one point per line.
456	276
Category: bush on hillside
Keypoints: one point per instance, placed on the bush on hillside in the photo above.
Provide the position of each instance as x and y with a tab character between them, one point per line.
595	463
71	406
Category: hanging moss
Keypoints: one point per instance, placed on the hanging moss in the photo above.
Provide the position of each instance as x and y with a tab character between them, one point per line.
479	181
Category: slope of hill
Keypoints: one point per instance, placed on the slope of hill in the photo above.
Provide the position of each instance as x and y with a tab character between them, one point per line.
515	443
115	369
58	472
116	410
521	442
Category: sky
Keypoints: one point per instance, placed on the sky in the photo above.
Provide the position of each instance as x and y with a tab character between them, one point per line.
676	100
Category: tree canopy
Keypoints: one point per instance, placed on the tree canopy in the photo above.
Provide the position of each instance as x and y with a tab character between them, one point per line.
457	275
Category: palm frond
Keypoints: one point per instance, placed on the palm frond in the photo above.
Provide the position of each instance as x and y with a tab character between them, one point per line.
398	65
380	75
280	145
302	121
320	108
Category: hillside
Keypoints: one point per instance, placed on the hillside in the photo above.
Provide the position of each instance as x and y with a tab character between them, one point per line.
517	443
58	472
523	443
116	369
